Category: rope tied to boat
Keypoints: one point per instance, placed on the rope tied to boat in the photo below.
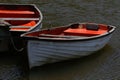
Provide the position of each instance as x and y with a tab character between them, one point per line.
4	27
13	43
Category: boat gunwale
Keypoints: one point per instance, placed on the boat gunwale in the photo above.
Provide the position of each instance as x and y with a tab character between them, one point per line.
40	18
67	39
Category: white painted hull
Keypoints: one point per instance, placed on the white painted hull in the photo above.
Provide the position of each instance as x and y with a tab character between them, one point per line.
47	51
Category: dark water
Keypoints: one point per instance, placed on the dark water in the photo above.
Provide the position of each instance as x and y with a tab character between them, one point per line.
102	65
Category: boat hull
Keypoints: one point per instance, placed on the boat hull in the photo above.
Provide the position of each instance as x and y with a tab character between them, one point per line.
42	52
66	42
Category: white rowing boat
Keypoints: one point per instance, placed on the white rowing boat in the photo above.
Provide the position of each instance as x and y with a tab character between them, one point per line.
66	42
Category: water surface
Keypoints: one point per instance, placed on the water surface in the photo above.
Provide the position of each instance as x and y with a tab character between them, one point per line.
102	65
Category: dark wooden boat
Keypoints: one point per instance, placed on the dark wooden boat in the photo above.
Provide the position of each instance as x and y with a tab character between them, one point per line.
19	18
66	42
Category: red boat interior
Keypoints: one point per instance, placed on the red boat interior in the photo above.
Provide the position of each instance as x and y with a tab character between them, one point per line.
19	15
73	30
87	30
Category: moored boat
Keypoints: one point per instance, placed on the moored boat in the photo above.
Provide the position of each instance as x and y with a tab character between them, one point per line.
66	42
19	18
22	17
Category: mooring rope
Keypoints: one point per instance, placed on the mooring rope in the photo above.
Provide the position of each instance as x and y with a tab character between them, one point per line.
13	43
3	23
